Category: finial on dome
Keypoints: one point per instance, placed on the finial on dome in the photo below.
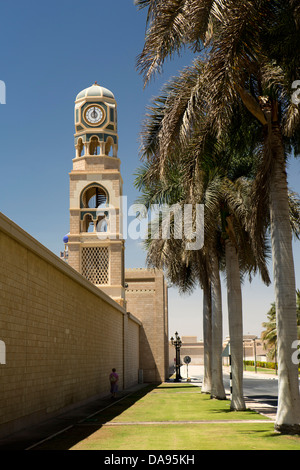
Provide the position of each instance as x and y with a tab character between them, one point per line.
96	83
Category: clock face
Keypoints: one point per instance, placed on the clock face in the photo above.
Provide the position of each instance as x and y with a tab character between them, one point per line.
94	115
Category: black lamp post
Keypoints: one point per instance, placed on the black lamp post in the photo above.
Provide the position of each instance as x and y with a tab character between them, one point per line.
177	343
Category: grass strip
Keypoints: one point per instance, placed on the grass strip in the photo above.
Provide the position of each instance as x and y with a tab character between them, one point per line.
231	436
201	424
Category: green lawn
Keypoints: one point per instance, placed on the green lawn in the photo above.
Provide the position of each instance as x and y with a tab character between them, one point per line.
173	417
264	370
180	403
189	437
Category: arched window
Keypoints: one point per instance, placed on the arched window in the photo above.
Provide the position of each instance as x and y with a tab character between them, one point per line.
94	197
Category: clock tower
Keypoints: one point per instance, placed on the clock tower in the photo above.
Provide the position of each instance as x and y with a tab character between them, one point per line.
95	244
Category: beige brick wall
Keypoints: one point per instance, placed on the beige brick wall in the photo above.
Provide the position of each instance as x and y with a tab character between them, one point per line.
147	299
62	334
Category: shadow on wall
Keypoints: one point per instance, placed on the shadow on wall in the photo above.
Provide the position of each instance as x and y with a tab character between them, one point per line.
148	363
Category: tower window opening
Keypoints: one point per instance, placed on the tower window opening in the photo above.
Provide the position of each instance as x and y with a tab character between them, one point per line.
94	198
94	146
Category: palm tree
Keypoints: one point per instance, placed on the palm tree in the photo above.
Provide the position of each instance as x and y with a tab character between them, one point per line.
238	256
248	63
185	269
222	200
170	108
217	386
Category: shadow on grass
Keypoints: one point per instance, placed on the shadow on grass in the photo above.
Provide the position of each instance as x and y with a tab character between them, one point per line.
264	431
89	425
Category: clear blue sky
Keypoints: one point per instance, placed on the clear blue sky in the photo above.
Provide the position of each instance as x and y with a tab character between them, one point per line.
49	52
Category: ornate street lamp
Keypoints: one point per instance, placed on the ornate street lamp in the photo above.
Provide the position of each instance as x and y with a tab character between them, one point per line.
177	343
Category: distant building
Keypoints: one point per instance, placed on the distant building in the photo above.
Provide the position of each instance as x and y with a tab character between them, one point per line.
253	347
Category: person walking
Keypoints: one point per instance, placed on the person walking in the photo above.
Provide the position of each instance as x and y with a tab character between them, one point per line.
113	379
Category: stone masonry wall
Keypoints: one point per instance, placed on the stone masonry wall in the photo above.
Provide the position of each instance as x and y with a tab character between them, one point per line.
62	335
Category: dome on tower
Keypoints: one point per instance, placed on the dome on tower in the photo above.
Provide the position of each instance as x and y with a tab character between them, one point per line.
96	91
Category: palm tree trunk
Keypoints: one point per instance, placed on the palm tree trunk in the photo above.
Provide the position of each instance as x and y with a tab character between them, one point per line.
235	320
206	385
288	411
217	387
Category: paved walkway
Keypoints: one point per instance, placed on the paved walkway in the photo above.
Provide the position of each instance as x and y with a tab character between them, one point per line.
151	423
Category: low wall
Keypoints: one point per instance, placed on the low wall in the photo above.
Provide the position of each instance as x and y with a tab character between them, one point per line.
62	335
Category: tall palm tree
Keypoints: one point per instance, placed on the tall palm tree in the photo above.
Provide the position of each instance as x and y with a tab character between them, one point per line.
269	335
223	202
248	63
164	118
185	269
238	256
217	386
